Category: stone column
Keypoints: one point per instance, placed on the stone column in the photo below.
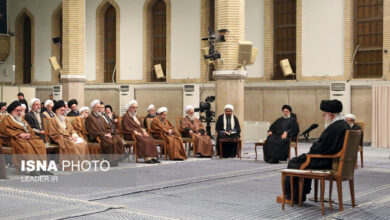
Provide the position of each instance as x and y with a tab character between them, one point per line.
230	14
73	76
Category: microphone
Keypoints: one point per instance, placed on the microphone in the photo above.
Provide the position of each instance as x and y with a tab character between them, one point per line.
312	127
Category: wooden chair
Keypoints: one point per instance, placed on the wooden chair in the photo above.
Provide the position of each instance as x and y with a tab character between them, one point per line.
4	140
160	142
258	144
225	140
51	147
343	165
360	148
93	147
186	140
293	144
128	143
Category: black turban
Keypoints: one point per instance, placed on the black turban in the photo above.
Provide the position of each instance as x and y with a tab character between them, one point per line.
13	105
71	102
108	106
58	104
3	104
287	107
332	106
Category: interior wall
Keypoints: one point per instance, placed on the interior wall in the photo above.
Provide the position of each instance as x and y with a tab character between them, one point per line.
322	38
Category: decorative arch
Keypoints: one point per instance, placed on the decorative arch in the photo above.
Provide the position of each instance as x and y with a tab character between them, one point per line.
20	52
100	42
56	32
148	39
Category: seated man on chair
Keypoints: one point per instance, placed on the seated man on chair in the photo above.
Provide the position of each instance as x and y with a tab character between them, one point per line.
227	127
34	118
25	144
131	123
151	114
194	127
277	146
330	142
350	118
174	143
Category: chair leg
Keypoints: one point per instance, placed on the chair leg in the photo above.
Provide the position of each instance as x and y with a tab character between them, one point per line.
322	195
283	191
330	194
256	151
289	153
296	150
352	191
300	191
340	193
361	157
315	190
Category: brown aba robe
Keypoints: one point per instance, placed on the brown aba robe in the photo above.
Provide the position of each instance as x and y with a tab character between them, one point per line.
174	146
69	150
112	149
76	123
22	149
146	146
203	142
3	171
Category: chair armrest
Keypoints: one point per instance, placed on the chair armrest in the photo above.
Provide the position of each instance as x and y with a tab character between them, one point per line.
324	156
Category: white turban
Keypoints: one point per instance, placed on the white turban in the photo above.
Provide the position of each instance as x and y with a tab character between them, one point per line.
161	110
229	107
34	100
132	102
188	107
48	102
83	109
94	102
150	107
351	116
23	106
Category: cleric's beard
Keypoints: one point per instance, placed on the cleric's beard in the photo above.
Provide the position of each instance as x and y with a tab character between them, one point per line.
328	121
286	117
37	110
61	117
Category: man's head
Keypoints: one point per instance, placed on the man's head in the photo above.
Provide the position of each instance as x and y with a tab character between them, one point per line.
59	109
190	111
95	106
132	107
350	118
162	113
330	110
49	104
151	110
84	112
3	106
73	104
35	105
108	109
15	109
20	96
229	110
286	109
51	97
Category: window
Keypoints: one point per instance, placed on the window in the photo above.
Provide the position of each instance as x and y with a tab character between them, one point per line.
284	35
26	50
368	38
3	16
159	29
109	43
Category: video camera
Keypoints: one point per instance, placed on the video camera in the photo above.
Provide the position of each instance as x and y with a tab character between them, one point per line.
213	39
208	114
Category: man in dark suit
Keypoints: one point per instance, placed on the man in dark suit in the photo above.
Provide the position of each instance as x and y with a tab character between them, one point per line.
34	118
23	101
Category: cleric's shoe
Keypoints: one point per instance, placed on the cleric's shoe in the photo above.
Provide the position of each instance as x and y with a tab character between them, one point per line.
33	173
46	173
279	199
150	162
156	161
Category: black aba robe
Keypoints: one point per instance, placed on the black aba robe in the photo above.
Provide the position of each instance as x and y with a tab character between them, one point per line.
228	149
276	148
145	122
73	113
330	142
356	127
